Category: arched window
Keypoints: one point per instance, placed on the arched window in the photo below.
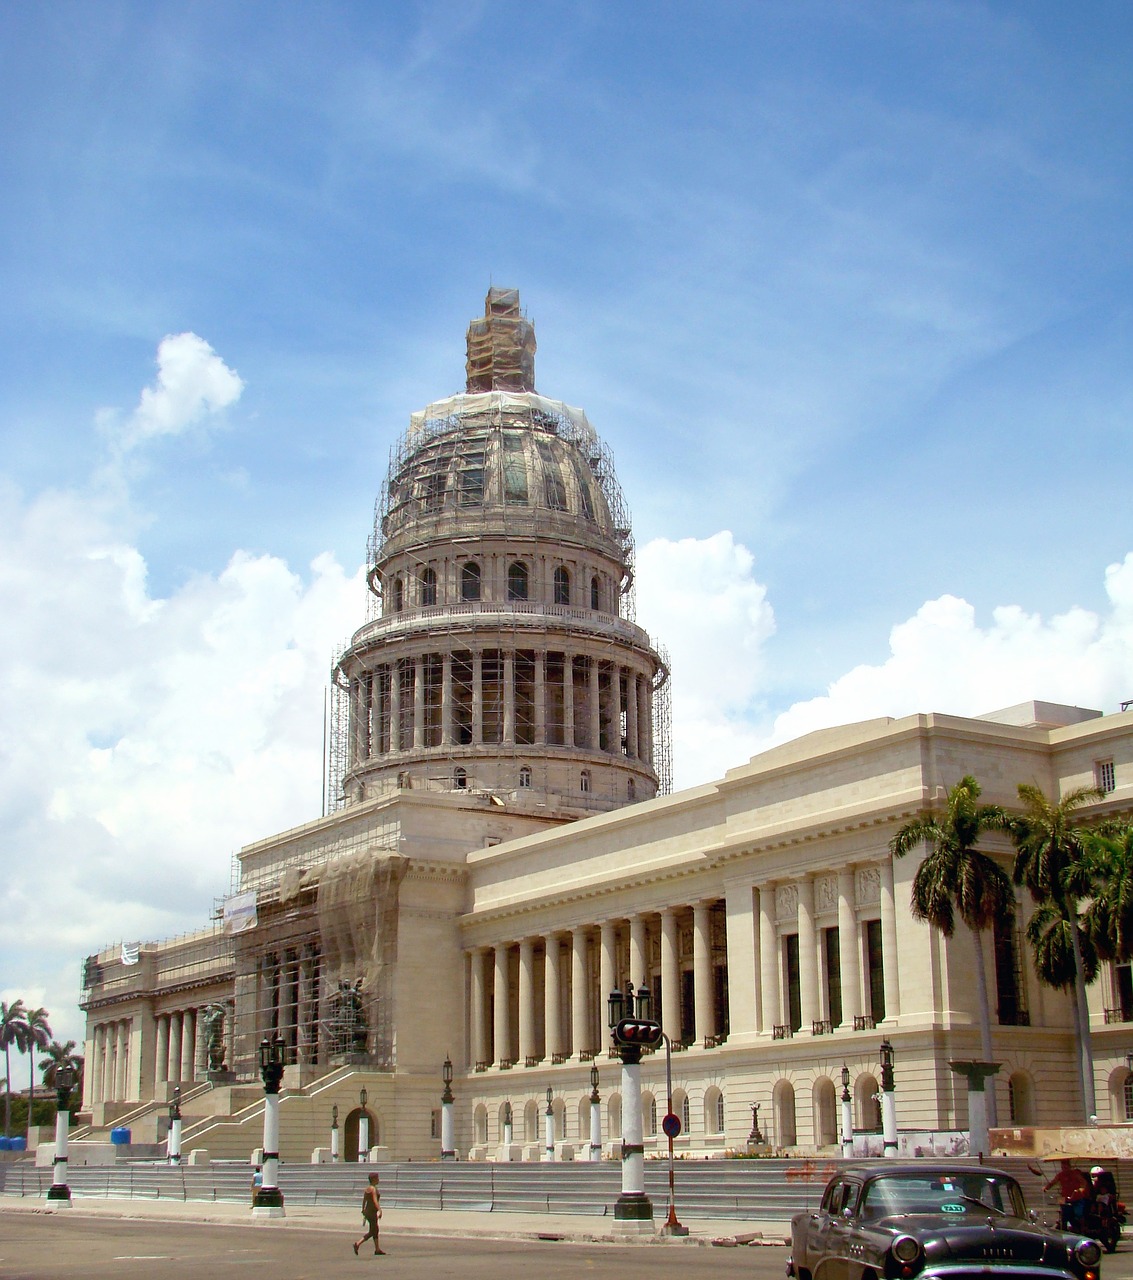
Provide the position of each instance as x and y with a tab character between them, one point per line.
595	593
649	1114
480	1124
584	781
562	585
631	789
525	777
459	778
517	581
614	1115
825	1110
869	1105
531	1122
428	587
1127	1096
398	595
685	1123
713	1110
783	1100
470	581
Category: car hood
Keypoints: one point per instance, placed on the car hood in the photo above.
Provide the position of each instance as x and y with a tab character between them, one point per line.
986	1238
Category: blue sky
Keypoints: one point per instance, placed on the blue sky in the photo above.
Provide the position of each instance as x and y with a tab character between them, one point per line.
845	287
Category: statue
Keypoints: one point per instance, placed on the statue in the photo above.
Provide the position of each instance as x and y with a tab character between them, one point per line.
213	1019
346	1019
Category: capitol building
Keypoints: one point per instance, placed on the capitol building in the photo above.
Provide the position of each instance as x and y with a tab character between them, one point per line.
502	848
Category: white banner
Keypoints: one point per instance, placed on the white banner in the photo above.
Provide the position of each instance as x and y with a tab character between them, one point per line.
240	912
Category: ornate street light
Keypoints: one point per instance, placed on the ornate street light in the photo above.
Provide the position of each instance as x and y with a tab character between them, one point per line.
59	1193
616	1004
175	1127
448	1143
269	1198
595	1115
363	1127
549	1126
334	1134
888	1101
634	1032
847	1115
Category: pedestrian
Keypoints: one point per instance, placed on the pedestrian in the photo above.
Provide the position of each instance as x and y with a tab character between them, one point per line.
371	1212
257	1183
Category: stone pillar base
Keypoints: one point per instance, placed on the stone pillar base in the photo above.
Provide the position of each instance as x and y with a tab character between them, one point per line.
633	1214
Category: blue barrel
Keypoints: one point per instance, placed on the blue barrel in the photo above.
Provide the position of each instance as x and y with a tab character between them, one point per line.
18	1144
120	1137
5	1144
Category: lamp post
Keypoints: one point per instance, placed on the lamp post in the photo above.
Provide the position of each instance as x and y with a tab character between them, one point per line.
549	1127
448	1139
363	1127
175	1127
334	1134
595	1115
59	1193
269	1198
631	1020
847	1116
507	1133
888	1101
755	1137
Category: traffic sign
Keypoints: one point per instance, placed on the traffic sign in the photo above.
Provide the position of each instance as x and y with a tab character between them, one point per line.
671	1126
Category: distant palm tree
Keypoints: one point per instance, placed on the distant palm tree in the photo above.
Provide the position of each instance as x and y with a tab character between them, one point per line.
955	877
37	1035
11	1033
59	1055
1109	917
1052	860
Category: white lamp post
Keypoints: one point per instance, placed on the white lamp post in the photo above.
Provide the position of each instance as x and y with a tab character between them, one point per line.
448	1131
175	1127
549	1128
595	1115
59	1193
888	1101
269	1198
634	1030
363	1128
334	1131
847	1116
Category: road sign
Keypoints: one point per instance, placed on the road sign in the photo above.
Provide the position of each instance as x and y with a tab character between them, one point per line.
671	1126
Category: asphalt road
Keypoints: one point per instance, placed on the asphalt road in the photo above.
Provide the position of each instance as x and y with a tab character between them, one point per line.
45	1246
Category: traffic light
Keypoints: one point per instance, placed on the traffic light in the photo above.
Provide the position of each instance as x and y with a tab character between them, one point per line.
644	1033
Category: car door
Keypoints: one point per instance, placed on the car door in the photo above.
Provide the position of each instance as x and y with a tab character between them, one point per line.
818	1227
839	1234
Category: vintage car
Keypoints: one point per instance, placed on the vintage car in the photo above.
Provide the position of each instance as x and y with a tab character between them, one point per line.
931	1220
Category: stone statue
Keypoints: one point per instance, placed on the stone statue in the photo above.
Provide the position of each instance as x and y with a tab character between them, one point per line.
346	1020
213	1019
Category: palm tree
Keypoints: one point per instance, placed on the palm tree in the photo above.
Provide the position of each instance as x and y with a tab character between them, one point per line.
955	877
1109	917
59	1055
37	1035
11	1033
1052	861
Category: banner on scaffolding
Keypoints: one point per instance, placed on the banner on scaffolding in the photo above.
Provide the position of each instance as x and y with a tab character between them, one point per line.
240	912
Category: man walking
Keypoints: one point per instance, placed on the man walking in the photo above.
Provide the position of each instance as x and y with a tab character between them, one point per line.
371	1211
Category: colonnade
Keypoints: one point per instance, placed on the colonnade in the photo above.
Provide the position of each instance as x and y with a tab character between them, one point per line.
514	697
110	1065
287	1000
820	949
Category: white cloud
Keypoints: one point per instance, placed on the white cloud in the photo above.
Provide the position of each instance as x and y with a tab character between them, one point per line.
192	382
699	598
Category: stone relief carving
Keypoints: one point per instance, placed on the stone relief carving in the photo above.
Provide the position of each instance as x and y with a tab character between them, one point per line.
786	902
868	885
826	893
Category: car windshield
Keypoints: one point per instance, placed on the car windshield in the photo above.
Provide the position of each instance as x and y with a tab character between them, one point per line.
955	1196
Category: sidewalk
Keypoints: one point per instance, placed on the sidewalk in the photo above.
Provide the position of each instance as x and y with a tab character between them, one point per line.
587	1228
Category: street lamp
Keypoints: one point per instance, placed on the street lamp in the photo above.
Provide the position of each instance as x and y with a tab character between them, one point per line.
175	1127
59	1193
888	1101
363	1127
507	1133
847	1116
448	1143
269	1198
634	1031
334	1134
549	1127
595	1115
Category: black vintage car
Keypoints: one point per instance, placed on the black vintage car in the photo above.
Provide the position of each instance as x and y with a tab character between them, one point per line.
931	1220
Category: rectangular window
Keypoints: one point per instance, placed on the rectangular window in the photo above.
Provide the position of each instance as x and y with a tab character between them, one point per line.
794	996
875	969
1124	977
434	1124
1104	776
1009	987
833	976
688	1006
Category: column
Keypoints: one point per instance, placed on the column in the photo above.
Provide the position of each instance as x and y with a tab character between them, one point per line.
188	1043
375	714
121	1064
552	998
540	698
889	943
501	1001
742	959
849	953
631	714
477	698
446	700
173	1074
703	1001
98	1052
768	959
395	705
607	979
303	1037
509	696
418	703
568	700
670	976
645	717
161	1052
595	709
638	953
527	999
478	1019
579	992
808	953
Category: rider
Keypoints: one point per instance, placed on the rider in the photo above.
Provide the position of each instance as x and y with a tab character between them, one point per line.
1104	1189
1075	1188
